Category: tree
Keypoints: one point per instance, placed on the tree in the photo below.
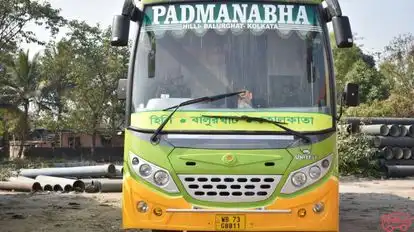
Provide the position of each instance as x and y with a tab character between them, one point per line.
398	63
15	15
56	68
345	58
96	71
21	87
373	85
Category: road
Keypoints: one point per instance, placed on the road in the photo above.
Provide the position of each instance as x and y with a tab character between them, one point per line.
362	204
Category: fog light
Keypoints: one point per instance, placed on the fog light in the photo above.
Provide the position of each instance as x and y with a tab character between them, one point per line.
142	207
319	207
302	213
157	212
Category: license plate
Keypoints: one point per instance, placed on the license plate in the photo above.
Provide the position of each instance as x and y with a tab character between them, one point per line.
230	222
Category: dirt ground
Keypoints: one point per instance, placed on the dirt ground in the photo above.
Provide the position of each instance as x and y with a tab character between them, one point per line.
362	204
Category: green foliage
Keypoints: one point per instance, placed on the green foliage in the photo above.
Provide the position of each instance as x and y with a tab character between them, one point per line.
397	105
353	65
397	71
20	87
17	14
96	70
398	63
2	121
356	155
373	85
21	83
57	65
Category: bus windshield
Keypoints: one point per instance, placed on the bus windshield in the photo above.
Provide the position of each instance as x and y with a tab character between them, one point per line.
276	52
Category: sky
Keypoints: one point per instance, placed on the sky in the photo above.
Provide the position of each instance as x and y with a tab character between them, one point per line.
376	22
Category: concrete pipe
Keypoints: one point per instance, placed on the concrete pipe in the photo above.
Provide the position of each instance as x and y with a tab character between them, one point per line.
66	184
387	153
397	153
108	170
394	130
47	187
57	188
399	170
21	178
403	130
410	130
379	120
87	181
407	153
108	185
30	180
381	129
20	186
381	141
119	170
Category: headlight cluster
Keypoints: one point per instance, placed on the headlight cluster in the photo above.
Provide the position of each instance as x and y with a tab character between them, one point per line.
152	173
306	176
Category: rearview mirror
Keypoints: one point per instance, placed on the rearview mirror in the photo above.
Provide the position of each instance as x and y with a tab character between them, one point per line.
343	32
121	91
120	31
351	94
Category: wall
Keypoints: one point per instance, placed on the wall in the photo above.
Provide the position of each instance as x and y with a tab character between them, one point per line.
107	154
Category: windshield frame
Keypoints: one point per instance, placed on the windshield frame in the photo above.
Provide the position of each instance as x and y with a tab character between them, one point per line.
327	53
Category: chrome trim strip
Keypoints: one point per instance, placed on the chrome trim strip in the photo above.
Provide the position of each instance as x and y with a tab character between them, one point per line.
238	137
228	211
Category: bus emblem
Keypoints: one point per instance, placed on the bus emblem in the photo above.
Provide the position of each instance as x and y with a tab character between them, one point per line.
229	159
305	157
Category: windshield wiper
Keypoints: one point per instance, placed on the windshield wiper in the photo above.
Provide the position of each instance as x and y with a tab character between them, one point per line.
279	124
154	137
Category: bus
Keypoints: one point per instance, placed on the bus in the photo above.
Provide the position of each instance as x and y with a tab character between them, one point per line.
231	114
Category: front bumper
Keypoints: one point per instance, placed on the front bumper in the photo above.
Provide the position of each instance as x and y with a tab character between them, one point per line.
282	215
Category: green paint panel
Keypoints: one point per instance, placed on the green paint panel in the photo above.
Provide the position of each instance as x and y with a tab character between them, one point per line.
318	151
155	154
216	162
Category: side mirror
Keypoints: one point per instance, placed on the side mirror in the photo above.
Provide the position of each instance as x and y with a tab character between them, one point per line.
343	32
120	31
121	91
351	94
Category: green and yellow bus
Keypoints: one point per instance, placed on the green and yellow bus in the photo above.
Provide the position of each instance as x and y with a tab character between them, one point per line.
231	115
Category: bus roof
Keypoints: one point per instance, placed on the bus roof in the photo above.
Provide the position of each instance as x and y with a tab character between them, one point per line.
141	3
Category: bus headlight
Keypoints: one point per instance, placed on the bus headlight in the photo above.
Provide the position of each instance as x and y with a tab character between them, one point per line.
161	178
315	172
308	175
145	170
299	179
152	173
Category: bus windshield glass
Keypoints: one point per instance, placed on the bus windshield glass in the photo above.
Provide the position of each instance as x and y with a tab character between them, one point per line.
277	52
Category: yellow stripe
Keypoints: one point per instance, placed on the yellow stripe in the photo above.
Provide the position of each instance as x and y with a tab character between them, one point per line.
190	121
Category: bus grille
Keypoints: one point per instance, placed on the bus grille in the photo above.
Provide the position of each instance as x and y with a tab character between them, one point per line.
230	188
